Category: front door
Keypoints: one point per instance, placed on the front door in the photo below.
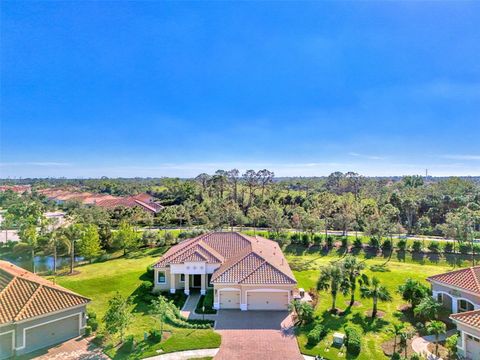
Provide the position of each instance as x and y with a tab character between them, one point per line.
197	281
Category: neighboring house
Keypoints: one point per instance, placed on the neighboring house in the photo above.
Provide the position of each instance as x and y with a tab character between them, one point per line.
35	313
457	290
245	272
143	201
468	325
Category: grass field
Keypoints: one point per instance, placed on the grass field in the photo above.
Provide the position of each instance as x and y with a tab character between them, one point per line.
100	281
374	332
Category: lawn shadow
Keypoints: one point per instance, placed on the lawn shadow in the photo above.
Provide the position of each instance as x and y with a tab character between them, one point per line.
368	324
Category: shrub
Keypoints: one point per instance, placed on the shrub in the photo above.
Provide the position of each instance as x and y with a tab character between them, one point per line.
416	357
92	321
88	330
402	244
434	246
155	335
129	344
354	340
357	243
329	241
317	239
465	248
316	334
396	356
387	245
417	246
374	242
344	241
296	237
448	247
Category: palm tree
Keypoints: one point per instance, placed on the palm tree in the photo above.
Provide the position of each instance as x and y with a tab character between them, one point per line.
436	328
406	335
29	235
428	308
331	279
413	291
72	233
352	270
396	330
372	289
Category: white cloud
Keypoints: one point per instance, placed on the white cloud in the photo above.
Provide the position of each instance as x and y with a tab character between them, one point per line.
461	157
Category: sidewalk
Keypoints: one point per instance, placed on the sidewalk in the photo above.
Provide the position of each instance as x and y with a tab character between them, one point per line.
420	344
185	355
188	309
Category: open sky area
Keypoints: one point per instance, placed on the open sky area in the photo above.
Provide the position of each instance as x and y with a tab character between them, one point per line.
136	88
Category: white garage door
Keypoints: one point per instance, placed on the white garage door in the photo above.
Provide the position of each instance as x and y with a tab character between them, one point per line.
6	349
51	333
229	299
267	300
473	347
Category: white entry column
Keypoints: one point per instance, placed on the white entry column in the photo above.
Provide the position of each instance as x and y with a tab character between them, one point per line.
187	284
172	283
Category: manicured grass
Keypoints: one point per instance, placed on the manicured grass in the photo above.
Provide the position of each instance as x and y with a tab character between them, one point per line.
100	281
374	332
207	302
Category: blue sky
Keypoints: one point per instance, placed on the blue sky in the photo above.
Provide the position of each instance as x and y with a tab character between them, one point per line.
177	88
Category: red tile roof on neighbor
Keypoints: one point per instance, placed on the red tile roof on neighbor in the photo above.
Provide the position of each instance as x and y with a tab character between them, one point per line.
466	279
244	259
471	318
144	201
24	295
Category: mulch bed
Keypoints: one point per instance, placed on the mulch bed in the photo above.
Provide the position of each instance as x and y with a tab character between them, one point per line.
442	350
387	347
380	314
404	307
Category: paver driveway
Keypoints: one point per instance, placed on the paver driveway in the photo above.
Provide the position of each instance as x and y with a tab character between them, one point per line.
256	335
75	349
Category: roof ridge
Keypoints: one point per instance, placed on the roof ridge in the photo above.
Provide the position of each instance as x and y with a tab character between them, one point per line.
13	277
211	250
266	262
472	270
34	295
231	266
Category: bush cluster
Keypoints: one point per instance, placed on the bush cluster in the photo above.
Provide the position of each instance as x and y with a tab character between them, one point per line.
316	334
354	340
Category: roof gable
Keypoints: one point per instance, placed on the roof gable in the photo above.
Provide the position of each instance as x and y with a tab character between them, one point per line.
466	279
24	295
471	318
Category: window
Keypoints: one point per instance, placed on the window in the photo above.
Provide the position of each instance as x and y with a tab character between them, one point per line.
182	277
440	298
209	280
464	305
161	279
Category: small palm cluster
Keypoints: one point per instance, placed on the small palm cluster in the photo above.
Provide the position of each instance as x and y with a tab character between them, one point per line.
344	276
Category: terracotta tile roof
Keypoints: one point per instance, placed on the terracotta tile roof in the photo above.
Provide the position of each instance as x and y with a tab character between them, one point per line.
24	295
244	259
466	279
471	318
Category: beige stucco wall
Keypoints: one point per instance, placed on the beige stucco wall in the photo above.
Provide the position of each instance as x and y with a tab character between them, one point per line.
166	286
475	299
244	288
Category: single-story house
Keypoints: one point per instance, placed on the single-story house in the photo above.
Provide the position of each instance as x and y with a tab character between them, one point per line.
457	290
245	272
35	313
468	325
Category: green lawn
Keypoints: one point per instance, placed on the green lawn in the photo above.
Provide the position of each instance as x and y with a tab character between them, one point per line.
306	270
100	281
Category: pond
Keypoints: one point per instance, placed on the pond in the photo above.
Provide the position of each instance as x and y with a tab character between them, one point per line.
42	263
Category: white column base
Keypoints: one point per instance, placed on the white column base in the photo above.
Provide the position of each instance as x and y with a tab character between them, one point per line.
243	307
186	291
216	306
203	292
172	291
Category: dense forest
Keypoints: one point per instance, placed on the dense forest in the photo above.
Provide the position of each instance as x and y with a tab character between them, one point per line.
347	202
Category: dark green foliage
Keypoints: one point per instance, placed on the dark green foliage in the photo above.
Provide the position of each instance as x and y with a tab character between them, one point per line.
402	244
316	334
417	246
92	321
354	340
387	245
357	243
434	246
374	242
448	247
396	356
207	301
